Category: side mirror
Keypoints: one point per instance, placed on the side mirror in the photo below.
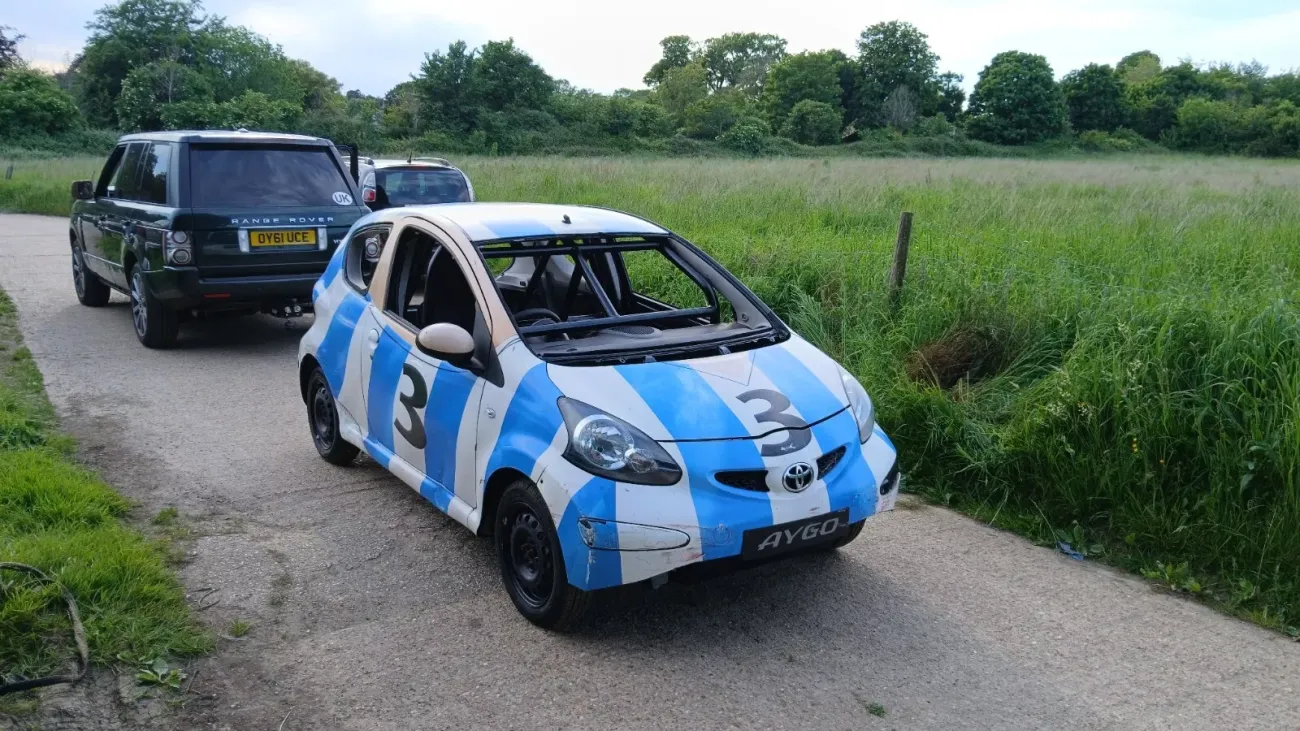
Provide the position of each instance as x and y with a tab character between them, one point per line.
447	342
83	190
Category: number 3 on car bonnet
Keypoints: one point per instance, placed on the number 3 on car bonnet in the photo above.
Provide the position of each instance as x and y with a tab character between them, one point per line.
591	390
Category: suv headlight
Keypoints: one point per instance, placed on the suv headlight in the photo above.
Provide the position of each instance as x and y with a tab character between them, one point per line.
860	404
610	447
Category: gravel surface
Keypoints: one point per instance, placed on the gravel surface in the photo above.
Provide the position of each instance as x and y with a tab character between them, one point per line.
370	610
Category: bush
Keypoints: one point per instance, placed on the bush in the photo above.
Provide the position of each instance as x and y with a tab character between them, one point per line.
32	103
813	123
710	117
748	136
1206	125
936	126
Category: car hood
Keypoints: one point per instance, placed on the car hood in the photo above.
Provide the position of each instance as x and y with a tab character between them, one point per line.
744	395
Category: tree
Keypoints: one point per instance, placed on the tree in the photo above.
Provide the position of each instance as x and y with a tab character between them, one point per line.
1016	101
9	57
900	109
813	123
951	96
891	55
1094	98
446	85
677	52
680	88
32	103
1209	126
1139	67
150	88
741	60
809	76
124	36
713	115
504	77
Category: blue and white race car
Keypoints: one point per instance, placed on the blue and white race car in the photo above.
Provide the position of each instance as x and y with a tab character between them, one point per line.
590	389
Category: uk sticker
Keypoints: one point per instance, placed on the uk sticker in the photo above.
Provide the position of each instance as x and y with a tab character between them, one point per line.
342	199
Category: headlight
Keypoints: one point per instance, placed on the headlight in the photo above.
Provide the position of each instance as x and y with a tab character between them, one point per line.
609	447
860	404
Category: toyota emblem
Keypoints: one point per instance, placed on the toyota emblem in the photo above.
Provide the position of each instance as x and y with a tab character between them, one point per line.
797	477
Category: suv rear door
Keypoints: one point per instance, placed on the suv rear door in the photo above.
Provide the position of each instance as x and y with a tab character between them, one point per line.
266	209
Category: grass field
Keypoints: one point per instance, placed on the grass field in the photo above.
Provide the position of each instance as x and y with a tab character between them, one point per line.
58	517
1104	352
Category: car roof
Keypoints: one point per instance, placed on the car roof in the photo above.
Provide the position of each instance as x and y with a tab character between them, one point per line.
484	222
226	135
416	163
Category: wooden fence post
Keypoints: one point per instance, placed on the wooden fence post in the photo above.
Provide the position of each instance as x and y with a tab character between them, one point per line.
899	270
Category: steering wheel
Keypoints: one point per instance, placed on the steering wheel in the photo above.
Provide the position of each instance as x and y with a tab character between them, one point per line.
537	313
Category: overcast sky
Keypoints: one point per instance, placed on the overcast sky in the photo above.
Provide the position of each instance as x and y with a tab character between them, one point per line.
372	45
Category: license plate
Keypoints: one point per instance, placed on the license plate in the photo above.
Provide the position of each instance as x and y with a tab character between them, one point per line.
282	237
779	539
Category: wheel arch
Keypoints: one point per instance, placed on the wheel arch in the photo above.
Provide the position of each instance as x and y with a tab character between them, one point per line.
305	368
494	488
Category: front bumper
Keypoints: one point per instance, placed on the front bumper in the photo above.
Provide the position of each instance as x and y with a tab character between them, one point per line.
183	288
613	534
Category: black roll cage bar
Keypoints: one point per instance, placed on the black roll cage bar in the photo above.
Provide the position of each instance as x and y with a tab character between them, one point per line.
538	248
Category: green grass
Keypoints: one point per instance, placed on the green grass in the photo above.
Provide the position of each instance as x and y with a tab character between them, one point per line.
62	519
1117	339
43	186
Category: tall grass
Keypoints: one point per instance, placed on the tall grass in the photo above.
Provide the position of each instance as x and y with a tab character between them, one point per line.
1102	351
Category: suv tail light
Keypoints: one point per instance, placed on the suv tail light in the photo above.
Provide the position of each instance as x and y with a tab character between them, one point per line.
178	249
368	195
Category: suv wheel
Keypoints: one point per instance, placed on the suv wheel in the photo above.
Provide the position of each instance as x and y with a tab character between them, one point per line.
91	291
155	325
323	417
532	563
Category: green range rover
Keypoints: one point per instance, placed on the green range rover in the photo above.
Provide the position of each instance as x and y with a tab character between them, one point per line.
190	224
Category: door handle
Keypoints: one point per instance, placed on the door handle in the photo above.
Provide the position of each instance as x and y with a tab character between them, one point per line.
372	341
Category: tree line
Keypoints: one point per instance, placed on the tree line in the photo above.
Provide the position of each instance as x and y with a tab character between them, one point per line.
164	64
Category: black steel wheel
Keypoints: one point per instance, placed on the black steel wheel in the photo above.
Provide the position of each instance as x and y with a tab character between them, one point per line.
156	326
323	417
532	563
91	290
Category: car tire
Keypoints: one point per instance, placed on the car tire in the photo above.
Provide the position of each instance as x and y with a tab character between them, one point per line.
323	418
854	531
91	290
532	563
156	325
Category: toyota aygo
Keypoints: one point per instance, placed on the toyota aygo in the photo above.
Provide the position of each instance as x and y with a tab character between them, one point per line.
591	390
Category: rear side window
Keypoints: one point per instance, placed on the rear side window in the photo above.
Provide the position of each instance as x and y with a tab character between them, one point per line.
154	173
264	176
408	187
126	180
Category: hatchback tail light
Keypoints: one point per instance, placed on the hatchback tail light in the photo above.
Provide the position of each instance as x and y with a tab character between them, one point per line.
178	249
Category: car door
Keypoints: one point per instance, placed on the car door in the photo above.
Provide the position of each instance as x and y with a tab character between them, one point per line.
422	412
116	214
94	214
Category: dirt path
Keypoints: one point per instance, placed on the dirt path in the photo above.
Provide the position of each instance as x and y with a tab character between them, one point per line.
372	611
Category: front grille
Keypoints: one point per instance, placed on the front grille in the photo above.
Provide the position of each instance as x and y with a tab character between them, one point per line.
756	480
829	461
753	480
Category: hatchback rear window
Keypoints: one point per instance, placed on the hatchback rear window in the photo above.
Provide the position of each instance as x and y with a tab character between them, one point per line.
259	177
408	187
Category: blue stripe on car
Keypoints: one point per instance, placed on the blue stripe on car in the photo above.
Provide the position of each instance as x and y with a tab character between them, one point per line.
529	424
685	403
448	395
385	379
332	353
332	269
814	400
590	568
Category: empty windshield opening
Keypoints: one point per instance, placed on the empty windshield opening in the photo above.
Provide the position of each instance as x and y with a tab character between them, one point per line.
246	176
574	296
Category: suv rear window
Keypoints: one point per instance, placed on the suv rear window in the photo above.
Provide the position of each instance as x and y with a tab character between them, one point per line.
258	177
417	186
